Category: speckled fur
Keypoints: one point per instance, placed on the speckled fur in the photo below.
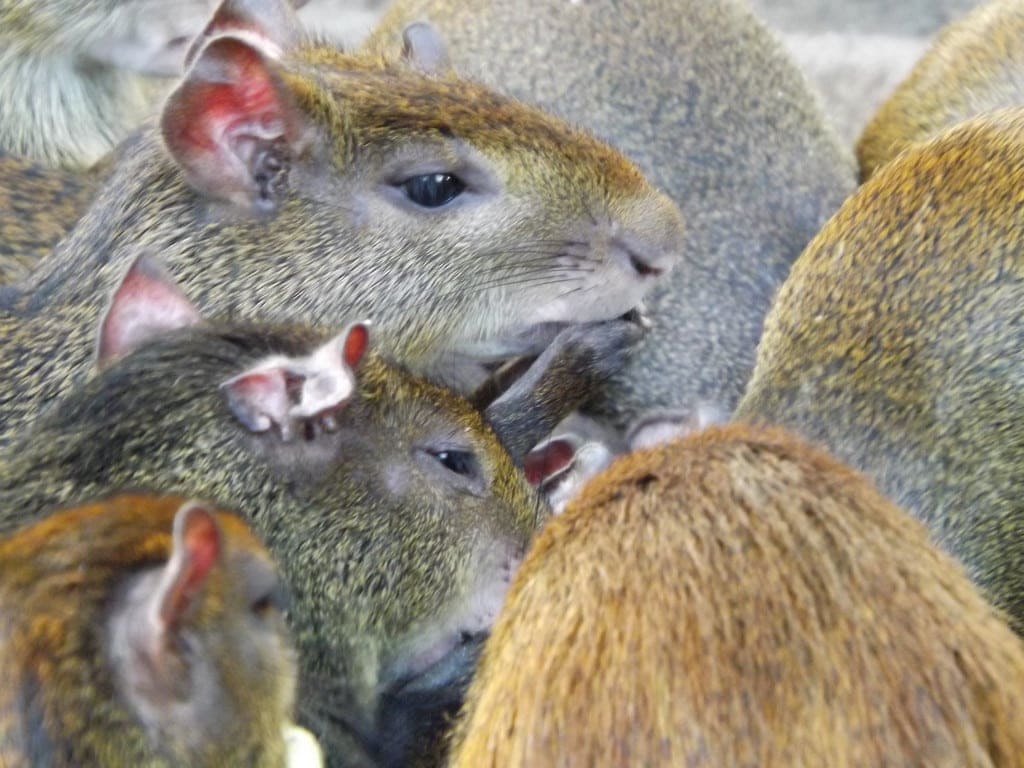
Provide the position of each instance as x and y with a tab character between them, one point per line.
897	343
707	103
368	564
59	701
38	206
739	598
975	65
324	258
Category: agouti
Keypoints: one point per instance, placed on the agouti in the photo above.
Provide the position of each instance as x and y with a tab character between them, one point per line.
896	342
291	182
391	504
142	630
975	65
710	107
741	598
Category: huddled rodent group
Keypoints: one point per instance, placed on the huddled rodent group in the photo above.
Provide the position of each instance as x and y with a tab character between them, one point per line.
352	298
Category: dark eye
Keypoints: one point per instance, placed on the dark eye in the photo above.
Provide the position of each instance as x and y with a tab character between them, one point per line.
275	599
459	462
433	190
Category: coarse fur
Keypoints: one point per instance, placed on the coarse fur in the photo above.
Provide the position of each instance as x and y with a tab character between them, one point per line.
708	104
64	584
896	342
975	65
553	228
741	598
395	561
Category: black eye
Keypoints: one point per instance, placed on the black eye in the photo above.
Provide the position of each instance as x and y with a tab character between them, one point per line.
433	190
277	598
459	462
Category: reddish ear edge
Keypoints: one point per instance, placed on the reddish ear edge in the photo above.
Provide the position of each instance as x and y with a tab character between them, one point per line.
197	548
356	342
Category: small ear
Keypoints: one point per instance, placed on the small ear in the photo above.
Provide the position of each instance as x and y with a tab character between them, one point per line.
357	338
232	126
664	425
259	398
549	459
147	304
196	549
425	49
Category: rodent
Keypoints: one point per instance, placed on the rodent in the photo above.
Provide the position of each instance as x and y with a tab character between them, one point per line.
896	343
738	597
38	206
395	511
77	77
298	204
702	97
142	630
975	65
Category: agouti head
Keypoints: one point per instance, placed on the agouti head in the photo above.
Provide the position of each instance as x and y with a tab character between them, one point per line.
395	512
740	598
974	66
322	188
142	630
896	342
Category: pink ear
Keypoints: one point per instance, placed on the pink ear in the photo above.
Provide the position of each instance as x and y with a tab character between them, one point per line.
259	397
197	548
148	303
356	341
548	460
270	24
232	128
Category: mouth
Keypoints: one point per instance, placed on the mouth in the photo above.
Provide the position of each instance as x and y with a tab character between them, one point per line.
415	709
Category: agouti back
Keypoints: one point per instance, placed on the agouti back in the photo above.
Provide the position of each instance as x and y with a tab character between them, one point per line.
127	643
391	504
38	207
76	76
291	182
740	598
707	103
896	342
975	65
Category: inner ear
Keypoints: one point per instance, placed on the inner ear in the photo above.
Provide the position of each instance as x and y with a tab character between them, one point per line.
270	25
549	459
425	49
196	549
233	127
148	303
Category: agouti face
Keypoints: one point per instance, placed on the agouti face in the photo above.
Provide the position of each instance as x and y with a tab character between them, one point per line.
395	513
458	219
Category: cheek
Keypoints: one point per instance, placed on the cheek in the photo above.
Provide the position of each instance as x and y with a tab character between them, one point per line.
396	479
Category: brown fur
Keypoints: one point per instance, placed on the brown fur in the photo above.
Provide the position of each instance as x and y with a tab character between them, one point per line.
896	343
59	704
975	65
740	598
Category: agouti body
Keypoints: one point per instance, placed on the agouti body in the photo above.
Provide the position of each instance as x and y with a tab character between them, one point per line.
740	598
76	76
546	225
975	65
706	102
38	206
127	644
395	512
896	342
